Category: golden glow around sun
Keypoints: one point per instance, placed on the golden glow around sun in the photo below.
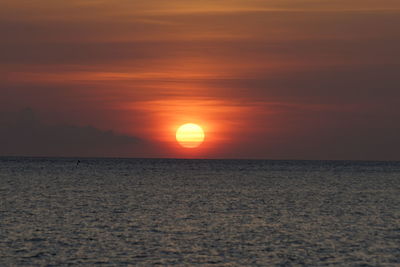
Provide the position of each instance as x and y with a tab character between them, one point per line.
190	135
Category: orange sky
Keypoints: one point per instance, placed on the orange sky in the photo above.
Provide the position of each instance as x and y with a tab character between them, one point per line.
266	79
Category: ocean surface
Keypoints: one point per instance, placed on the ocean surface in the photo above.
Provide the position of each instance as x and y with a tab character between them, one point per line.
148	212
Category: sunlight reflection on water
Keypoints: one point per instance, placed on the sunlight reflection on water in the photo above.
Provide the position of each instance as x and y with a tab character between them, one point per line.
186	212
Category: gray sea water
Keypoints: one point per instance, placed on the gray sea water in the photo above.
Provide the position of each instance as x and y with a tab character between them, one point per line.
148	212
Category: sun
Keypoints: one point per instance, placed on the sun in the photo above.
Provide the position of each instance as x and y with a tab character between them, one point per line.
190	135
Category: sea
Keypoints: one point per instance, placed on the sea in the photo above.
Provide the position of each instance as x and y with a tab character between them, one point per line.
186	212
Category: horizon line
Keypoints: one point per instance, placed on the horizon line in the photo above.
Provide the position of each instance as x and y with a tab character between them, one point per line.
173	158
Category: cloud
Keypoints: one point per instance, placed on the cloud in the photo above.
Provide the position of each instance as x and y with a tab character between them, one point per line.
24	134
310	79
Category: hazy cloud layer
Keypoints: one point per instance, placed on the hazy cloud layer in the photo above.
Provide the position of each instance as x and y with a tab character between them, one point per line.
24	134
270	79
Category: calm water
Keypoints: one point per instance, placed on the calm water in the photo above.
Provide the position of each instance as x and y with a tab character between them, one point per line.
206	212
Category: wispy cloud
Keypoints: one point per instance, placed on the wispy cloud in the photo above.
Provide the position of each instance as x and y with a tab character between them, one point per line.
256	73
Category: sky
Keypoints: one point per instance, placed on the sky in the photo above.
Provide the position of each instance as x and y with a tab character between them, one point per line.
266	79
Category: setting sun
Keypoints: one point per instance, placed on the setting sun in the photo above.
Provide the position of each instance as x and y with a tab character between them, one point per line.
190	135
